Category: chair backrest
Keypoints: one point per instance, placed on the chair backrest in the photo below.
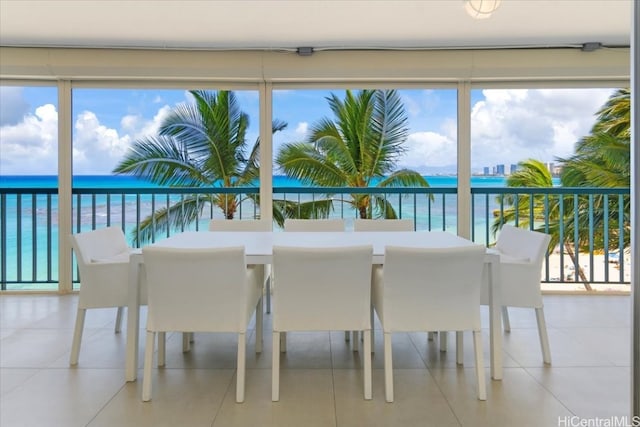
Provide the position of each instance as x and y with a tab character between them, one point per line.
523	244
383	225
196	289
238	225
322	288
100	245
522	252
432	289
103	264
314	224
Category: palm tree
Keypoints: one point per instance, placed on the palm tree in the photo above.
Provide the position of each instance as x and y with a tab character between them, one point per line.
359	148
601	159
202	145
537	212
524	210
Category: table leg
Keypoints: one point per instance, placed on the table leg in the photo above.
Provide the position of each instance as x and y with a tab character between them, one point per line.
133	319
495	318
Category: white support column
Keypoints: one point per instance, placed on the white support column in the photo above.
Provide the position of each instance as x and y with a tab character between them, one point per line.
464	159
65	164
266	153
635	210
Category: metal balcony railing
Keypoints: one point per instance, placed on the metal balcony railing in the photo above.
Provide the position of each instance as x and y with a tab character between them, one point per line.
29	232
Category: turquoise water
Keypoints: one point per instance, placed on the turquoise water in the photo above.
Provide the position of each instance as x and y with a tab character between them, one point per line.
27	242
120	181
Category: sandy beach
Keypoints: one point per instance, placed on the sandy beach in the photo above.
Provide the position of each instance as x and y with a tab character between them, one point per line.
598	266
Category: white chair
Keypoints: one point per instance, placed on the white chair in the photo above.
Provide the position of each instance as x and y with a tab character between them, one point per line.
314	224
430	290
383	225
200	290
103	263
248	225
309	281
389	225
522	252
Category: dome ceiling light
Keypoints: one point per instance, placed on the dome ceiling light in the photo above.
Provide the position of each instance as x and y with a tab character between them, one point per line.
481	9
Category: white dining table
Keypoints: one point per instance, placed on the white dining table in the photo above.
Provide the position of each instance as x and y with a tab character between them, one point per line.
259	250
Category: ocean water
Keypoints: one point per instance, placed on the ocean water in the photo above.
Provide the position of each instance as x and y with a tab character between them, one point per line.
27	243
123	181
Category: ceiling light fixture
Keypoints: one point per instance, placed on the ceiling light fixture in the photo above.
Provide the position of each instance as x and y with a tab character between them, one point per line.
481	9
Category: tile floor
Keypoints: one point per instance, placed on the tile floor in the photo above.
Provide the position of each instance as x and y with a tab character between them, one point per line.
321	380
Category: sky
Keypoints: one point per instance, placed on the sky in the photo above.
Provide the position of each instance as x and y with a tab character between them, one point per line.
507	126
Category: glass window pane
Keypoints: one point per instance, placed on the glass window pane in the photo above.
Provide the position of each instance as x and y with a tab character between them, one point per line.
29	162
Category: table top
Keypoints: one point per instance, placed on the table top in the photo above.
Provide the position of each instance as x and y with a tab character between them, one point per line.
259	244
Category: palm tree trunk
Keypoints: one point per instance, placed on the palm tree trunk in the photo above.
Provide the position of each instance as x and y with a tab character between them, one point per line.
579	269
363	212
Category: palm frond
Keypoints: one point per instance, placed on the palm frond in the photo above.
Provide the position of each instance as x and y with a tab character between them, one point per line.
174	218
303	162
162	160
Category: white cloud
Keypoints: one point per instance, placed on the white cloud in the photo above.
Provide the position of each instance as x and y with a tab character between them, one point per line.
513	125
509	126
428	149
96	148
137	127
301	129
13	106
32	144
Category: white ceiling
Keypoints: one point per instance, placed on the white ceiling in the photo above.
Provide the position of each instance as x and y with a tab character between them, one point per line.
321	24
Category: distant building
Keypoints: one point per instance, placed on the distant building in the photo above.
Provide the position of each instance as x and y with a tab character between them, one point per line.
500	170
486	171
513	169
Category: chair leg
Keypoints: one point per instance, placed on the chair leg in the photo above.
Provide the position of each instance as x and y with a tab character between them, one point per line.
119	316
367	364
162	346
148	361
388	368
430	335
77	336
477	348
259	325
283	342
505	319
268	293
355	340
275	367
242	344
347	336
443	340
373	335
544	338
192	337
459	348
186	342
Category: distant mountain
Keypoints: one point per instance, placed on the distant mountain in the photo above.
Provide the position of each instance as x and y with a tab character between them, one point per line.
437	170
